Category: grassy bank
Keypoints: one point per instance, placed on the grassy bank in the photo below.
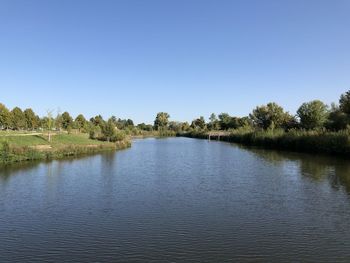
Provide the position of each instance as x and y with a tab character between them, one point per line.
325	142
36	147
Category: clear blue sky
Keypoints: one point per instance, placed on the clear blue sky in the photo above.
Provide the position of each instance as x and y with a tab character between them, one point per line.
133	59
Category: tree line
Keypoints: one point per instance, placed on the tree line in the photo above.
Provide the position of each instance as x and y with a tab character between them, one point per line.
313	115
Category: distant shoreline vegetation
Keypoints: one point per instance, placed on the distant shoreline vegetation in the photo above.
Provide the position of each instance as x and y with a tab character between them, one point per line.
316	128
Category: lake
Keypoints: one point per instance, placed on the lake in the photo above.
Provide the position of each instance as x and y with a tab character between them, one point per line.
177	200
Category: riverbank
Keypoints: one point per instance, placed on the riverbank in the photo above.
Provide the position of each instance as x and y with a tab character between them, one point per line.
36	147
323	142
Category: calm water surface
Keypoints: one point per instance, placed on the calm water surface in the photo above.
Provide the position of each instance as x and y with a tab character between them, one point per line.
177	200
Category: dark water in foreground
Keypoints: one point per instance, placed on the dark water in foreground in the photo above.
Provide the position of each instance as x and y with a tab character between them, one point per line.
177	200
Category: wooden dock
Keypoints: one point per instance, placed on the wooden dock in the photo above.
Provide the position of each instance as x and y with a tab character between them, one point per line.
216	135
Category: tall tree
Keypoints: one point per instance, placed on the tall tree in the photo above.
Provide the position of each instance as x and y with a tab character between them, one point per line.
161	121
313	114
97	121
213	122
344	102
199	123
270	116
108	131
80	121
30	119
337	119
224	121
67	120
130	123
5	117
18	119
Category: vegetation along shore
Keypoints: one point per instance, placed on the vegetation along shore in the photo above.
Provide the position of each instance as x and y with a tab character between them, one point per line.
315	128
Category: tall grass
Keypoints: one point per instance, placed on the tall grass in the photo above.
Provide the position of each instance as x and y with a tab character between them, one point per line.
294	140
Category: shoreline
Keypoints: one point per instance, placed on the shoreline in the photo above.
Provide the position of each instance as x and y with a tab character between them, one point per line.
12	153
325	143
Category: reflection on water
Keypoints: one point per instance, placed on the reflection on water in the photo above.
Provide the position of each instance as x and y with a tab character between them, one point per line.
177	200
334	170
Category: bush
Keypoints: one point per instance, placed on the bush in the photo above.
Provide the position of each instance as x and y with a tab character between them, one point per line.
5	151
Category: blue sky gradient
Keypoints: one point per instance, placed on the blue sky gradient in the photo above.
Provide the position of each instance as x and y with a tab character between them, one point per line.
134	58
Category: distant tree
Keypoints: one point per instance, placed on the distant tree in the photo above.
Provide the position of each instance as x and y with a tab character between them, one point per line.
175	126
121	124
97	121
5	117
109	131
199	123
145	127
80	122
114	120
337	119
37	122
30	119
18	119
224	121
185	126
67	120
235	123
49	123
161	121
58	121
313	114
270	116
213	122
344	102
130	123
245	122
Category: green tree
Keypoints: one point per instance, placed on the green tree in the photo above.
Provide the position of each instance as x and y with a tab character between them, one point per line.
313	114
145	127
213	122
18	119
199	123
80	121
5	117
270	116
67	120
109	131
58	121
30	119
175	126
224	121
161	121
344	102
97	121
337	119
185	126
129	123
245	122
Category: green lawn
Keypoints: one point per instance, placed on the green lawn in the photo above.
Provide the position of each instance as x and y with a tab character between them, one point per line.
74	139
56	140
61	145
29	140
